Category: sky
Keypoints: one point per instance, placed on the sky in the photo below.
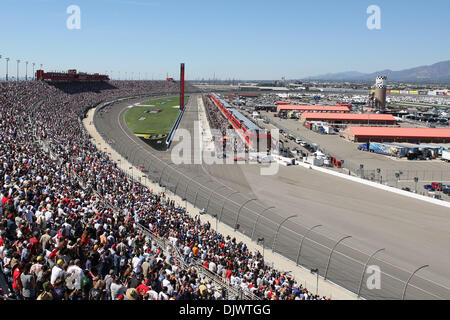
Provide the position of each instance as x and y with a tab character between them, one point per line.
233	39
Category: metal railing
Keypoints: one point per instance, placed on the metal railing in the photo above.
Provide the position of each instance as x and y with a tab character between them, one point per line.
161	242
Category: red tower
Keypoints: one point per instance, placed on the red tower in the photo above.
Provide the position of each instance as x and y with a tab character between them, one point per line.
182	87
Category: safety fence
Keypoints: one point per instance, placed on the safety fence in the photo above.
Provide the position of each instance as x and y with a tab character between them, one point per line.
175	125
335	256
168	248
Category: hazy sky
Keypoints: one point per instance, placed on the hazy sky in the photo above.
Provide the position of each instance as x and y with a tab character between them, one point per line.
242	39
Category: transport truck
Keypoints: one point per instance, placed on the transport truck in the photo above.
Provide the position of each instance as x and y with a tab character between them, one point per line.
446	155
384	148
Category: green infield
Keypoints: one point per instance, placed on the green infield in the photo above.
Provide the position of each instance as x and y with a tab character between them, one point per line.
153	120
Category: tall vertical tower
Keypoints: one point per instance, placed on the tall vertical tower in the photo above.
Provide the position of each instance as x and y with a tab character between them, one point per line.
380	92
182	86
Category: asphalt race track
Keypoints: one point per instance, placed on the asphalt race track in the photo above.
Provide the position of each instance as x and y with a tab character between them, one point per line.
414	233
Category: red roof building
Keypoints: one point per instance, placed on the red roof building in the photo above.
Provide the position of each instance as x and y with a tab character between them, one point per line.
282	102
349	118
304	108
396	134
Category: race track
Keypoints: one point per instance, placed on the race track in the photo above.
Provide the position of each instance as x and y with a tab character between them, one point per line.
413	232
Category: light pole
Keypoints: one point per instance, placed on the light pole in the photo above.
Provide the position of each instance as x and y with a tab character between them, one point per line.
316	271
301	243
17	78
26	70
329	258
407	282
7	60
416	179
239	211
259	241
278	230
215	216
364	270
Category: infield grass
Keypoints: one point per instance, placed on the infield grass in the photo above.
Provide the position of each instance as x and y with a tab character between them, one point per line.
143	123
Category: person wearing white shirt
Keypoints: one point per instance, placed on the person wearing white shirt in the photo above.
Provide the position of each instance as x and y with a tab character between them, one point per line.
212	267
163	295
48	215
152	294
136	264
57	272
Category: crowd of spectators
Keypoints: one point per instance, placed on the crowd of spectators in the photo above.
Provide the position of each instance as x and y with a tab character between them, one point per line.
68	224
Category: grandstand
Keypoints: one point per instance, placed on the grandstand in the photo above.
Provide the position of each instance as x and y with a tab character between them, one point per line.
79	228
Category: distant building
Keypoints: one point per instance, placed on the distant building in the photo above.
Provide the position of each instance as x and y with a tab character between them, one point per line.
311	108
349	118
397	134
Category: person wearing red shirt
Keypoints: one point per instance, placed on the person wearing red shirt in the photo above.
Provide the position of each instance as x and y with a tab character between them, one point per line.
6	200
35	244
228	274
143	288
17	284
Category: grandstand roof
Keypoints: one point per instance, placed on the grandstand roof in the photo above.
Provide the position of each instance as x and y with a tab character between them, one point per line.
401	132
283	102
348	116
249	124
313	108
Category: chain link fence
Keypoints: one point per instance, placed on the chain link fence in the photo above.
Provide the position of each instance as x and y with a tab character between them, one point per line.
392	177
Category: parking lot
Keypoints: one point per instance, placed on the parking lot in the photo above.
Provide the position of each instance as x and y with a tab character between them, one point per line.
427	171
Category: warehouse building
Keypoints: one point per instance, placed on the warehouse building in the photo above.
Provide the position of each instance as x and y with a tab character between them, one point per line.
312	108
349	118
282	102
397	134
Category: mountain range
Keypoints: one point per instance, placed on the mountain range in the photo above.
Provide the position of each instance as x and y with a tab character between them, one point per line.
438	72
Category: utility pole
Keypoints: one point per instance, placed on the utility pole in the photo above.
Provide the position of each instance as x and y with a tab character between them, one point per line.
18	61
7	60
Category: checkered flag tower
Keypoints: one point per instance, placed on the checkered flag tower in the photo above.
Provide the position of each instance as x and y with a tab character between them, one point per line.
380	92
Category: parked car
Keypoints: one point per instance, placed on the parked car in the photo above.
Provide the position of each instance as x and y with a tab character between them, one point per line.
428	187
446	189
437	186
142	168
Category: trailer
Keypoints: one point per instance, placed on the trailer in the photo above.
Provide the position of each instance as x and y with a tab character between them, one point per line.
446	155
384	148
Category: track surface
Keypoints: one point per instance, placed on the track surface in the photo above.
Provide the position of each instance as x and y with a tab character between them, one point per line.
414	233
